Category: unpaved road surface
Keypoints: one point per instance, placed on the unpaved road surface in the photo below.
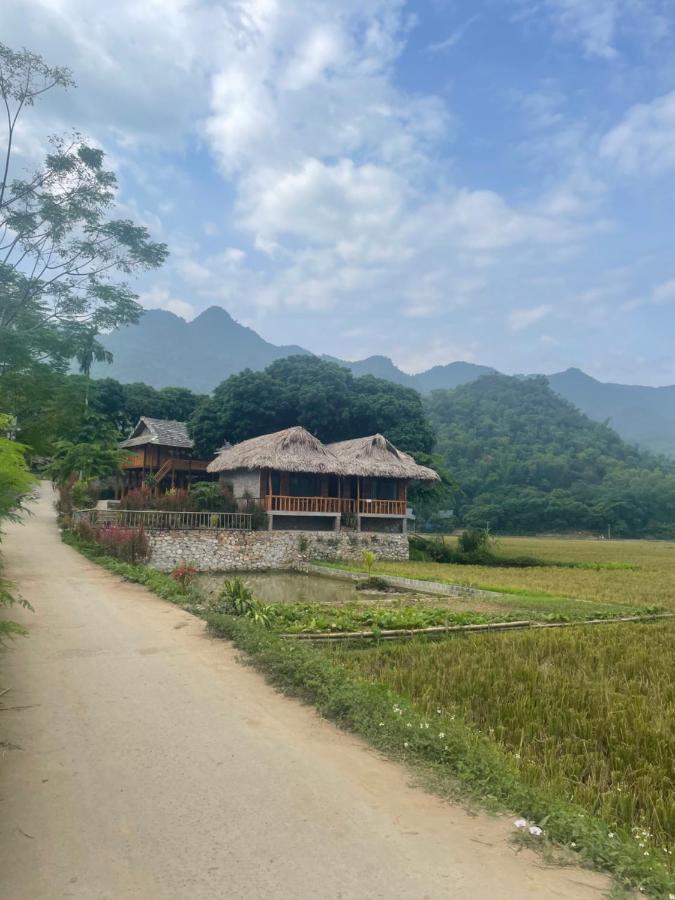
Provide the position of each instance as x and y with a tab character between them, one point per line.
141	759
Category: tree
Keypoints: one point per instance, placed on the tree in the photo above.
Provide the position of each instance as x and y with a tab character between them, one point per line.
85	460
321	396
89	350
59	247
15	482
15	479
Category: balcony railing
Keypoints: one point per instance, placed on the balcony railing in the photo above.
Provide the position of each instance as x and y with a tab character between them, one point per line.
335	505
163	520
177	463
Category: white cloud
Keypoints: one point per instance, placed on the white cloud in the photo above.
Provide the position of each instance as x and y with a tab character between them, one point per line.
322	203
665	293
597	25
434	353
520	319
592	22
453	38
644	141
160	298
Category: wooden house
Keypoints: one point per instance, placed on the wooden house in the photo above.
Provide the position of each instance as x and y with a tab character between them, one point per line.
304	484
161	448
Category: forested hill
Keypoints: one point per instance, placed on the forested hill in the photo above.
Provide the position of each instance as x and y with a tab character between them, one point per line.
163	350
528	461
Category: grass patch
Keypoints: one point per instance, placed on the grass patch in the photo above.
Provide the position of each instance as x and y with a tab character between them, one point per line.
437	739
442	550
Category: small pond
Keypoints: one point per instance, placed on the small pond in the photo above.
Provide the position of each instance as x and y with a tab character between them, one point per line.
298	587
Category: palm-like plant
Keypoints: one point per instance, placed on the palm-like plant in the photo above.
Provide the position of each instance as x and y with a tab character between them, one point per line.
369	560
89	351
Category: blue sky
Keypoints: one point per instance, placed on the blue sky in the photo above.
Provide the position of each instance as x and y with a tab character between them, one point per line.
491	181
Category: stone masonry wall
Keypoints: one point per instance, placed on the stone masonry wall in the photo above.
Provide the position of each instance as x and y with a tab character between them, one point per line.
223	551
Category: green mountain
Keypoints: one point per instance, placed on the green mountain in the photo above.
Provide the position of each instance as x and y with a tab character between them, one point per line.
642	415
164	350
528	461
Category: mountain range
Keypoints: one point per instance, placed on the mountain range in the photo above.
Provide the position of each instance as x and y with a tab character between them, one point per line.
164	350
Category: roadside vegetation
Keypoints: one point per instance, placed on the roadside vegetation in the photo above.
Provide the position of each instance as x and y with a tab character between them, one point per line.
569	729
15	483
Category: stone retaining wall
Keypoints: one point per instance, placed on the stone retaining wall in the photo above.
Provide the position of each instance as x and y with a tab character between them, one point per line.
223	551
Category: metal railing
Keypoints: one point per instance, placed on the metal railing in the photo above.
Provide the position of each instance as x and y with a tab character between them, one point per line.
163	520
337	505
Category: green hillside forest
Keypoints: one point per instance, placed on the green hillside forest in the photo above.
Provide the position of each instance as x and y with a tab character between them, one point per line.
528	461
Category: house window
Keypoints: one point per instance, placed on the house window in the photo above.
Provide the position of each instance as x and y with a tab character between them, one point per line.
302	485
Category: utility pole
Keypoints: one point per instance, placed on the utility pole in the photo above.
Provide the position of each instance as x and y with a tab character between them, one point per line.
609	532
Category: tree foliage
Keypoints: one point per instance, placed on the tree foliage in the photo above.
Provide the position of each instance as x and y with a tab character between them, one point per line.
59	245
84	460
322	396
528	461
15	483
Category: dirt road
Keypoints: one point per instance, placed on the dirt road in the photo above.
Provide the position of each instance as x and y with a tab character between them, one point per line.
139	758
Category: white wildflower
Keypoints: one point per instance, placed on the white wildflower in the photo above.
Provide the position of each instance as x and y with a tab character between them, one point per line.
536	830
520	823
406	744
441	734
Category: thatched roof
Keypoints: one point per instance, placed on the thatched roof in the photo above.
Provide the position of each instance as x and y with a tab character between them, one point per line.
291	450
162	432
296	450
375	456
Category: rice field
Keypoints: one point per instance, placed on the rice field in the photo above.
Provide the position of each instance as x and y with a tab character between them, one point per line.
651	582
588	712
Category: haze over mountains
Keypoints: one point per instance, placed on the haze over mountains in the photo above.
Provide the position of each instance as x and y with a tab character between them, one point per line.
164	350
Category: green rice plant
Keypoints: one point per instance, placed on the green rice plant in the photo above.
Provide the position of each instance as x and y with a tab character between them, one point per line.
586	712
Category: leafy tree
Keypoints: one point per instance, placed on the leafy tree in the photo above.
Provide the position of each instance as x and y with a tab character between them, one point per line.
84	460
15	482
88	351
322	396
59	246
15	478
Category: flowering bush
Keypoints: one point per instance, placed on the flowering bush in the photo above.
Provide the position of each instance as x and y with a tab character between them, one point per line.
127	544
184	574
208	496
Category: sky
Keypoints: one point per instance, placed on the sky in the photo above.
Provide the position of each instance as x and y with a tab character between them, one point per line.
481	180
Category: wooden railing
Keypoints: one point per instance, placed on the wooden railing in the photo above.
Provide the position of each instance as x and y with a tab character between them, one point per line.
337	505
163	520
179	463
382	507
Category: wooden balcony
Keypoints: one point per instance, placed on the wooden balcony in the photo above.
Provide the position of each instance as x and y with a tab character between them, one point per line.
334	505
173	463
382	507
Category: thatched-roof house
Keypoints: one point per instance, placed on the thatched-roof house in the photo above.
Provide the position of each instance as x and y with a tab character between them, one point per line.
291	450
376	457
161	448
304	484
